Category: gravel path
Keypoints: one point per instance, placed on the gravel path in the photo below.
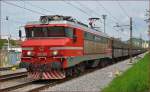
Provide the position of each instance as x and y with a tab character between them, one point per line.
94	81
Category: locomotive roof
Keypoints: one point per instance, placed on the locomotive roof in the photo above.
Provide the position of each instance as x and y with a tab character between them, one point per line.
74	25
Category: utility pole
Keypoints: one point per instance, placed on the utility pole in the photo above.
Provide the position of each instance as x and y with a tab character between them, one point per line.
130	47
148	21
8	47
0	20
0	35
149	25
104	18
141	41
8	44
0	27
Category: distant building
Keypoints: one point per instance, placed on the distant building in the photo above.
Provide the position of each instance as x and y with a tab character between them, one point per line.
139	42
145	44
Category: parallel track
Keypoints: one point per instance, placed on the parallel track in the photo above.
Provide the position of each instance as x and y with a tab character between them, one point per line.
15	87
6	68
12	76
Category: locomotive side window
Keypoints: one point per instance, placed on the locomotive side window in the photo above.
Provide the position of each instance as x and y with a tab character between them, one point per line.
88	36
98	39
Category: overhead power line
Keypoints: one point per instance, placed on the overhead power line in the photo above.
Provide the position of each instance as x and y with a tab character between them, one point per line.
123	9
114	18
66	3
33	11
94	12
88	9
36	6
90	15
77	8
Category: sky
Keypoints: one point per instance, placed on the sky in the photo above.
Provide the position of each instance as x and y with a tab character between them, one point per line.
116	11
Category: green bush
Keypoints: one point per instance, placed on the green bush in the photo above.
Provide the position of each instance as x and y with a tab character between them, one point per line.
3	41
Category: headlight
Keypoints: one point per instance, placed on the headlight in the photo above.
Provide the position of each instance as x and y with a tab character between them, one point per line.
29	53
55	53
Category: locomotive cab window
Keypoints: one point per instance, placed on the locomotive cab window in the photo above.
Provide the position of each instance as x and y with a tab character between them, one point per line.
56	31
69	32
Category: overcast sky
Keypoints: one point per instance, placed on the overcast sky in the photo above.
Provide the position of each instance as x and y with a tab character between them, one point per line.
116	11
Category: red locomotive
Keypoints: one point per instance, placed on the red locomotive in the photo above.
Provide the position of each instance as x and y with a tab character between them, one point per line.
59	46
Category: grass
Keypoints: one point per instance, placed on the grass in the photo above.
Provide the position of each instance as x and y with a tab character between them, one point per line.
135	79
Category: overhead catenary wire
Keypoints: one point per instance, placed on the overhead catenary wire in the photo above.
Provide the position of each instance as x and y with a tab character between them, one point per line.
88	8
87	13
81	10
114	18
123	9
36	6
33	11
77	8
99	15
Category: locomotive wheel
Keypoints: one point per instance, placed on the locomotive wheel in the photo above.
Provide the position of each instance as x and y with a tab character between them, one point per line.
78	69
95	63
103	63
69	72
82	67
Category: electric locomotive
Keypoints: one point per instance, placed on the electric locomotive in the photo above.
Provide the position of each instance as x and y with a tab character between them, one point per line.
59	46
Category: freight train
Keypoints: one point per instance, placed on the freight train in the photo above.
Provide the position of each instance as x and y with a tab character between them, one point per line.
59	46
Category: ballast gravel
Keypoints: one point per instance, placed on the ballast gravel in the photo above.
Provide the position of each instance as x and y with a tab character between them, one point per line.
95	81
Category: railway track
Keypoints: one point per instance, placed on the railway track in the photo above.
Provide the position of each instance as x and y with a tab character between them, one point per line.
50	84
37	86
5	68
12	76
